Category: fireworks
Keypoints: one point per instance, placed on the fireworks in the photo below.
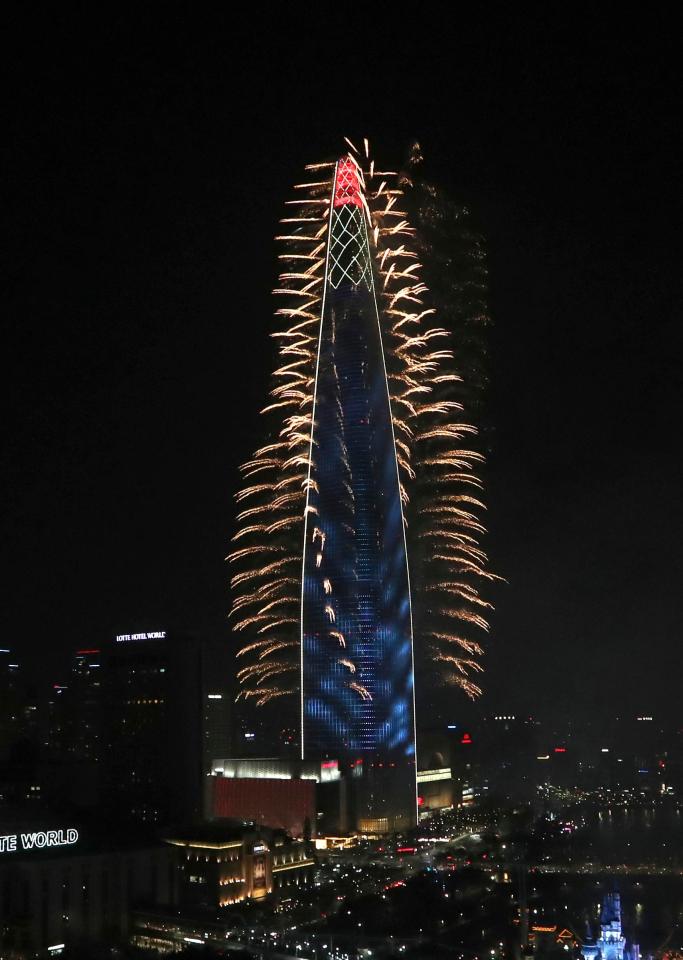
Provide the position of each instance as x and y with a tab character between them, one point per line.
439	485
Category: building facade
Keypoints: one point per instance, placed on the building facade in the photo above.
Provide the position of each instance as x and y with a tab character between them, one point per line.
75	711
220	867
301	797
153	728
217	697
60	887
357	669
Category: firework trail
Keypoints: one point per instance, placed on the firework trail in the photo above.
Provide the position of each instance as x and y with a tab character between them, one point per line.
440	489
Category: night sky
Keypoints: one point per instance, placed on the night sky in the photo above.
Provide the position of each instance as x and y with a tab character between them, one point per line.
149	160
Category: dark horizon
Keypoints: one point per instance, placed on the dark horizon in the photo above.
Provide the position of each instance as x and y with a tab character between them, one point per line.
147	176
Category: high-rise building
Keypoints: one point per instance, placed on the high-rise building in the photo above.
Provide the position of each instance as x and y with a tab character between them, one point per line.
11	701
356	658
152	735
217	696
85	688
72	753
323	589
75	711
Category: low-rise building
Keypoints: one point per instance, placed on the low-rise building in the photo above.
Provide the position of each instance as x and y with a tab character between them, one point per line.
222	865
301	797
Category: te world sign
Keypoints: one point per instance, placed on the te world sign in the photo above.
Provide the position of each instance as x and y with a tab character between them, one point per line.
38	840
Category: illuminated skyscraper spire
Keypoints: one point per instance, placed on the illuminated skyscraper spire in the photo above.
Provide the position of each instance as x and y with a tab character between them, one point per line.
362	396
356	652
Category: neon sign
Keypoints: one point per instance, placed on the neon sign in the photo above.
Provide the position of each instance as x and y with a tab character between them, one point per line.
38	840
127	637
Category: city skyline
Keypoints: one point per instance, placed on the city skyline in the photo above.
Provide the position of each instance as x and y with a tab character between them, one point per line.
342	514
144	278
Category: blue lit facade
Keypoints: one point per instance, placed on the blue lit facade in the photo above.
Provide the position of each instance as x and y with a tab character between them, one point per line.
356	632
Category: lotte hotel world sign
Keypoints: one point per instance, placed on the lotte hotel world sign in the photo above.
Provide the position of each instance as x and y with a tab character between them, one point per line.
128	637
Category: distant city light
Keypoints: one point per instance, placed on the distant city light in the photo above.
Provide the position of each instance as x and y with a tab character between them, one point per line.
429	776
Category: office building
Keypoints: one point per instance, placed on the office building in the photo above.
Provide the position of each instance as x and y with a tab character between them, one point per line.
153	728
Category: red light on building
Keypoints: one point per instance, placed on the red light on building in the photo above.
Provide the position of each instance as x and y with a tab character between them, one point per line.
347	187
329	764
283	804
420	801
560	749
85	653
466	738
406	849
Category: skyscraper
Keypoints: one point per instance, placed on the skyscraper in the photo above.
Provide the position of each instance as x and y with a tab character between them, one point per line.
10	703
75	712
361	407
152	731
